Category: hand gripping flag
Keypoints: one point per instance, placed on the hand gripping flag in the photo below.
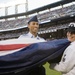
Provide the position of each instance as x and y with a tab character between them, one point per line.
24	54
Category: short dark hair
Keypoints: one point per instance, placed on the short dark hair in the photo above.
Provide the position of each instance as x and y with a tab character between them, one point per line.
72	32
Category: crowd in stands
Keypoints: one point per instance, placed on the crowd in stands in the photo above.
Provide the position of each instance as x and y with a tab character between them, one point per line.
11	35
53	28
21	23
64	11
41	31
11	24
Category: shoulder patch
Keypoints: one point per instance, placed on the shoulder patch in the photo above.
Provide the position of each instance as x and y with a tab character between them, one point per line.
63	59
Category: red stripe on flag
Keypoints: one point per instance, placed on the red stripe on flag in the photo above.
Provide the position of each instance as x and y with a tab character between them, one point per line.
12	47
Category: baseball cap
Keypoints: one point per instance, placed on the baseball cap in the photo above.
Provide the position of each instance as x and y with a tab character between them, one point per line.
71	27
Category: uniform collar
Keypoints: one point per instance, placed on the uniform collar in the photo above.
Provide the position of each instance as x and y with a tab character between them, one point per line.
73	42
32	36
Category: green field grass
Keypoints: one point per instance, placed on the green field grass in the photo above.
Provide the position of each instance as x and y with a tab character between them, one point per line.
49	71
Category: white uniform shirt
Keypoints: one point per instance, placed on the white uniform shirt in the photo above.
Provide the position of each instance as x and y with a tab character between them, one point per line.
67	63
29	35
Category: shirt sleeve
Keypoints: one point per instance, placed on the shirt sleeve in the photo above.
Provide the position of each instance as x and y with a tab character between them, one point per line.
23	36
20	37
42	39
72	72
66	64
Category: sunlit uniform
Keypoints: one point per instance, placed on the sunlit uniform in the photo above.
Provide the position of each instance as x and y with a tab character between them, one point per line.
39	70
29	35
67	63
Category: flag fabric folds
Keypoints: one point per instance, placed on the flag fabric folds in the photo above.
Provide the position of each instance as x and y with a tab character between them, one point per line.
19	54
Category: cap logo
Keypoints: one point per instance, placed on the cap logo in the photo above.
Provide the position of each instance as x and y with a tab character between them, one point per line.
72	25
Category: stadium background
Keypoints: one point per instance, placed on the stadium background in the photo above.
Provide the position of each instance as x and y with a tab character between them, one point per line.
53	21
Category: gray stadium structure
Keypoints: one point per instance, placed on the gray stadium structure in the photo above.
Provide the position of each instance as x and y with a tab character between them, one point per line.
53	24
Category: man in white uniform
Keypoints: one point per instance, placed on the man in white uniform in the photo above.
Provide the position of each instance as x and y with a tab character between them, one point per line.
33	26
67	64
33	33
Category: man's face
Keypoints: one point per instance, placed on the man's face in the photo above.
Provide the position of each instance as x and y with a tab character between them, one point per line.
71	37
33	27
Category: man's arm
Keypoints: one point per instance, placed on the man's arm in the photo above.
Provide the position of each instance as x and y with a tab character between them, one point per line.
66	63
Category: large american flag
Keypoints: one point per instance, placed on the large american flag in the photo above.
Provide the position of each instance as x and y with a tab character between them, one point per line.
19	54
